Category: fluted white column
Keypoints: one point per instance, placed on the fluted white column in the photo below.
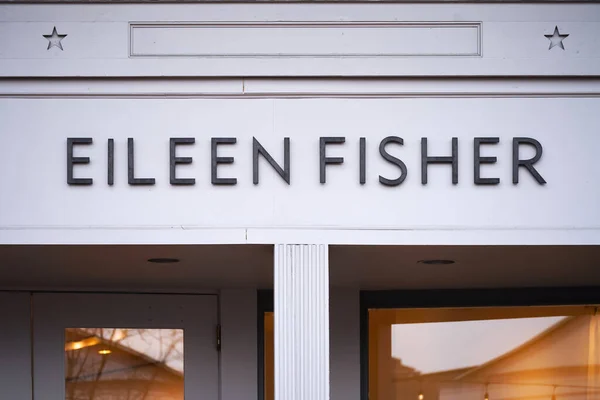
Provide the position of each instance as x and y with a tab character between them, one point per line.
301	300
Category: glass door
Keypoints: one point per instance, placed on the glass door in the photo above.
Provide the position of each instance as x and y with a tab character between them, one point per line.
125	346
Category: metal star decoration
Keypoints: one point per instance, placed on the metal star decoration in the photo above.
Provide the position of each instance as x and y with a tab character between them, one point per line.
54	39
556	39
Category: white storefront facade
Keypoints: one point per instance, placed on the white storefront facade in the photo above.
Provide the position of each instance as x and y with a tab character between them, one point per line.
229	171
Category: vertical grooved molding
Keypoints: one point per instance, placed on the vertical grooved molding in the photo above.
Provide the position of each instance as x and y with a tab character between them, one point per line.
301	305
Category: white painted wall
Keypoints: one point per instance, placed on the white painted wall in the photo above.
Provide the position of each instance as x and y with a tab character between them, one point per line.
250	44
299	39
38	197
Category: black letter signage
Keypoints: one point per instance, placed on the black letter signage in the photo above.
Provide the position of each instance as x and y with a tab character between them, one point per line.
215	161
283	169
174	160
131	168
110	174
528	164
478	160
258	148
76	160
362	174
391	159
324	160
425	160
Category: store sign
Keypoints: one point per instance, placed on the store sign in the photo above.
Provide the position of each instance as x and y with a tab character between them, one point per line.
140	167
283	167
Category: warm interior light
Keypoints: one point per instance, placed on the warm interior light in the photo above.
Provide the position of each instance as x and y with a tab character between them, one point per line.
80	344
421	396
104	352
118	335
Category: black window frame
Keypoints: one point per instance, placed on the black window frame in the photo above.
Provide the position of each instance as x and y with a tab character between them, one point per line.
265	303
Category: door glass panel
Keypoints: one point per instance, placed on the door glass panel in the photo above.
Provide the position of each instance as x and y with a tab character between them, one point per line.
511	353
123	364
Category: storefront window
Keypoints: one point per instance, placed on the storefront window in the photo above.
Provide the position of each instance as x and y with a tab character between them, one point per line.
131	364
510	353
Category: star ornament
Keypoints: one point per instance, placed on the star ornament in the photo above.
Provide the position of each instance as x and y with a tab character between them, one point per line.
556	39
54	39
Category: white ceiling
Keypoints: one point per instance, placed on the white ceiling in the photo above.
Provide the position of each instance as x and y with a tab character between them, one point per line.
206	267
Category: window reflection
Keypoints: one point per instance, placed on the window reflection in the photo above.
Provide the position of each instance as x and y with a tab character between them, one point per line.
123	364
527	353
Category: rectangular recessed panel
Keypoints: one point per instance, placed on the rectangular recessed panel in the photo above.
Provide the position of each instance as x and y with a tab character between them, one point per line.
351	39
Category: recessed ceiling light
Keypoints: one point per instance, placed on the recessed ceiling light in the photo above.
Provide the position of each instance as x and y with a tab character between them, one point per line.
163	260
104	352
437	262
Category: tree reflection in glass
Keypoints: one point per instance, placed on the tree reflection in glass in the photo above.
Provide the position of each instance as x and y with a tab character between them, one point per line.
123	364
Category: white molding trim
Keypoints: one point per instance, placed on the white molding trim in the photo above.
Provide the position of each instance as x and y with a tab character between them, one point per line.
93	88
311	39
399	236
272	39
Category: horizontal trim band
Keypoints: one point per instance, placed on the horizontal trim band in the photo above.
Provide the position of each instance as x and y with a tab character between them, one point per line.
296	88
471	237
299	96
296	1
457	228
